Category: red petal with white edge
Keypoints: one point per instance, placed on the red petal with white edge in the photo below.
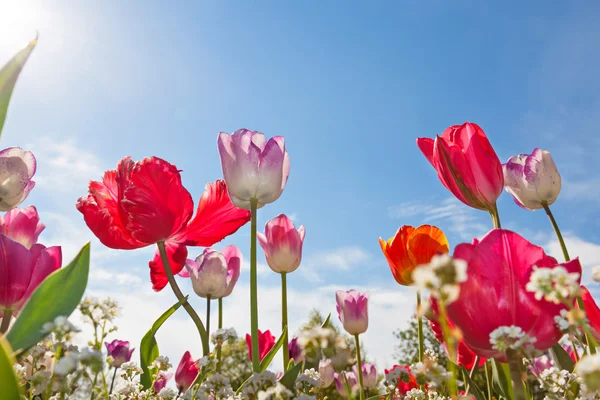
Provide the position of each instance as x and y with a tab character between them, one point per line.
157	204
102	215
177	254
215	219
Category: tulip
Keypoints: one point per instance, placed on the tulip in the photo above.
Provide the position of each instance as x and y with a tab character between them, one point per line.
119	351
161	381
352	311
266	341
254	169
532	179
143	203
18	167
592	312
343	380
467	165
214	274
282	244
404	387
295	351
411	247
369	372
326	373
186	373
495	295
24	263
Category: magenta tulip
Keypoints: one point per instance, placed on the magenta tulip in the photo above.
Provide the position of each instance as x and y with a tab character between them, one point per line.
22	225
161	381
352	308
214	273
119	351
467	165
17	168
186	373
253	167
282	244
495	295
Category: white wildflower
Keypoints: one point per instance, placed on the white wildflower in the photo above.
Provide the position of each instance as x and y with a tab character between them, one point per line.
554	285
66	364
442	277
167	393
588	368
277	392
510	338
39	381
161	363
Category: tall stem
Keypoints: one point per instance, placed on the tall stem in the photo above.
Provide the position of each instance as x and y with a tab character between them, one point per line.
359	367
6	316
220	327
190	310
488	381
495	216
516	374
254	288
449	340
284	320
420	327
208	315
112	383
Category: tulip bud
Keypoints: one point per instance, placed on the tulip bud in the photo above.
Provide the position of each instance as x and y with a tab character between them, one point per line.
119	351
253	168
344	381
282	244
18	167
353	311
161	381
186	373
326	372
532	179
295	351
266	341
369	372
213	273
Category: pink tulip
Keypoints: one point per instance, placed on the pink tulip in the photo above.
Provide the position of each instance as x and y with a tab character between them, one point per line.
252	167
119	351
266	341
24	264
326	372
186	373
17	167
353	311
467	165
495	295
345	380
214	273
369	372
161	381
282	244
532	179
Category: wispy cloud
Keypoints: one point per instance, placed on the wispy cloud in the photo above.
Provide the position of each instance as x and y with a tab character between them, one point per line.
588	253
455	216
338	259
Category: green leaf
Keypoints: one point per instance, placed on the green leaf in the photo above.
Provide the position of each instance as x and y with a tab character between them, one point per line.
58	295
149	347
473	388
501	379
264	364
8	78
11	390
289	378
561	358
327	321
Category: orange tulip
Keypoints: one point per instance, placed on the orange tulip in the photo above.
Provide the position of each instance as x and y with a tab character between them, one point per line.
412	247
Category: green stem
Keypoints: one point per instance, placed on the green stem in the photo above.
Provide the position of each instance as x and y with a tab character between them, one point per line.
208	315
220	327
359	367
112	383
254	288
471	373
448	339
190	310
284	320
495	216
516	374
6	316
420	327
488	381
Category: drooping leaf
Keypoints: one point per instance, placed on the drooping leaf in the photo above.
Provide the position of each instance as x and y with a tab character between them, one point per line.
264	363
473	388
501	379
8	78
289	378
58	295
10	388
561	358
149	347
326	322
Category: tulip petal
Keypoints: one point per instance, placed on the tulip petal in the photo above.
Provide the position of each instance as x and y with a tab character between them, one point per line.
177	255
426	147
14	180
425	242
485	166
27	157
16	269
396	252
592	311
233	255
240	160
274	170
215	219
22	225
156	201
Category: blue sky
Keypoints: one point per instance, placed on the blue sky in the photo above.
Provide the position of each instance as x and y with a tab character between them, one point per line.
350	85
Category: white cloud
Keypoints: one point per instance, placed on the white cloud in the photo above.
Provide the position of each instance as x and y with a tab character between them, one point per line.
455	217
103	275
588	253
338	259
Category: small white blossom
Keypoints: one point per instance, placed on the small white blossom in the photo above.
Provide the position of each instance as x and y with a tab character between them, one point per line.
67	364
277	392
161	363
39	381
588	368
130	368
562	321
554	285
510	338
442	277
61	327
558	382
167	393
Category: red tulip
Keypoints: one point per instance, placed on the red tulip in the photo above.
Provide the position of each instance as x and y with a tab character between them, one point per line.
592	311
467	165
266	341
464	355
186	373
142	203
404	387
499	267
